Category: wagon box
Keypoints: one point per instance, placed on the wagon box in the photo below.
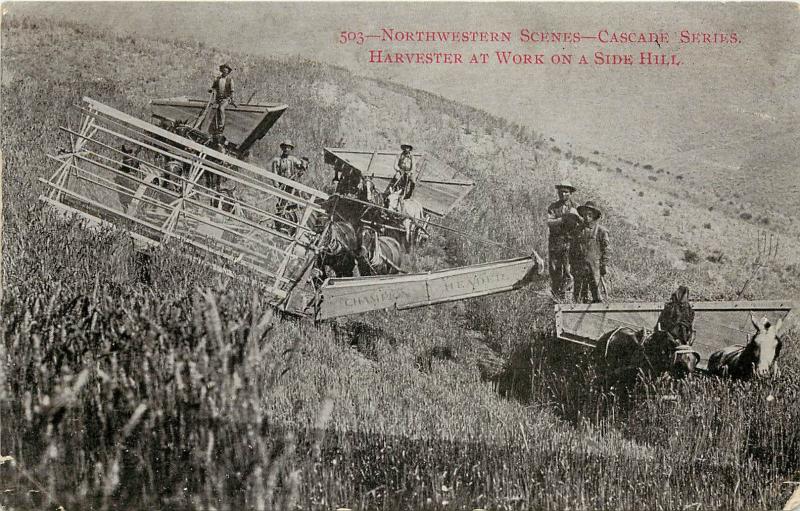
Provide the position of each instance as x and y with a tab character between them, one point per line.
717	324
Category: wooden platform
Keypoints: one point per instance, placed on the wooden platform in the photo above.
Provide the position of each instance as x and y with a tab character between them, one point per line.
245	123
439	187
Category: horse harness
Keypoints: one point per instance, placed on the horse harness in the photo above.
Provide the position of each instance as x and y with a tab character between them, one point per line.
679	349
378	257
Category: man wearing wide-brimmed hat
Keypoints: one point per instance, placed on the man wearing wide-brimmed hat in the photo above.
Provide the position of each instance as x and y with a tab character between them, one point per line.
562	217
222	88
589	254
288	165
403	173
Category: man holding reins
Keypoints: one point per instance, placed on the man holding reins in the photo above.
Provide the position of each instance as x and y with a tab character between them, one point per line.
403	178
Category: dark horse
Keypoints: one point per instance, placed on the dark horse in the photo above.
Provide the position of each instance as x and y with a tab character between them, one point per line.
287	217
379	255
375	216
335	253
338	249
624	353
758	357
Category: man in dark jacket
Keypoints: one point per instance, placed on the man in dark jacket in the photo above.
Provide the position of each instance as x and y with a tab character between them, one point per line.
589	254
223	94
561	220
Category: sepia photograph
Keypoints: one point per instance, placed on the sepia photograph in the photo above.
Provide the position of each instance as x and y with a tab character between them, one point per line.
399	255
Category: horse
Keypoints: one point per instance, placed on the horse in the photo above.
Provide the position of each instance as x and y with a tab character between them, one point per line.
623	352
758	357
287	211
348	179
413	215
172	175
379	255
675	331
130	163
338	247
335	255
368	192
422	233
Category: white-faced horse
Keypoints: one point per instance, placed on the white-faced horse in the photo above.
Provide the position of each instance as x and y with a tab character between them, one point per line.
758	357
413	215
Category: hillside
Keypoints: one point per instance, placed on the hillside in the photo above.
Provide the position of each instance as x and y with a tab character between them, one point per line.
368	114
409	400
729	111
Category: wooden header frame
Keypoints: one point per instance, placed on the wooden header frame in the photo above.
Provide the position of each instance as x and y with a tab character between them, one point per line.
161	188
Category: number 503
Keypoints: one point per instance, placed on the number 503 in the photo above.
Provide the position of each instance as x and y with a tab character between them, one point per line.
351	37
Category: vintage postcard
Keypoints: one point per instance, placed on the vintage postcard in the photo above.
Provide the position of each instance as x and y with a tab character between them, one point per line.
400	255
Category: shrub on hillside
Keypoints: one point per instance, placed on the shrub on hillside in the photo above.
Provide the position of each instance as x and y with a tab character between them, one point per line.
745	216
717	257
690	256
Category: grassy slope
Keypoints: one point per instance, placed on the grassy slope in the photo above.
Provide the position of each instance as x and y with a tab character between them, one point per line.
390	385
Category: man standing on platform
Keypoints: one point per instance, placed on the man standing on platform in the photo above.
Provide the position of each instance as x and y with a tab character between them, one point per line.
223	95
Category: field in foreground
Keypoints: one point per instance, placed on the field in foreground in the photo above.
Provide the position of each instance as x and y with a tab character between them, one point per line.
119	393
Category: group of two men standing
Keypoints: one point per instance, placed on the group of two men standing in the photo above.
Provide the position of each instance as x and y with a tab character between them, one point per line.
578	248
